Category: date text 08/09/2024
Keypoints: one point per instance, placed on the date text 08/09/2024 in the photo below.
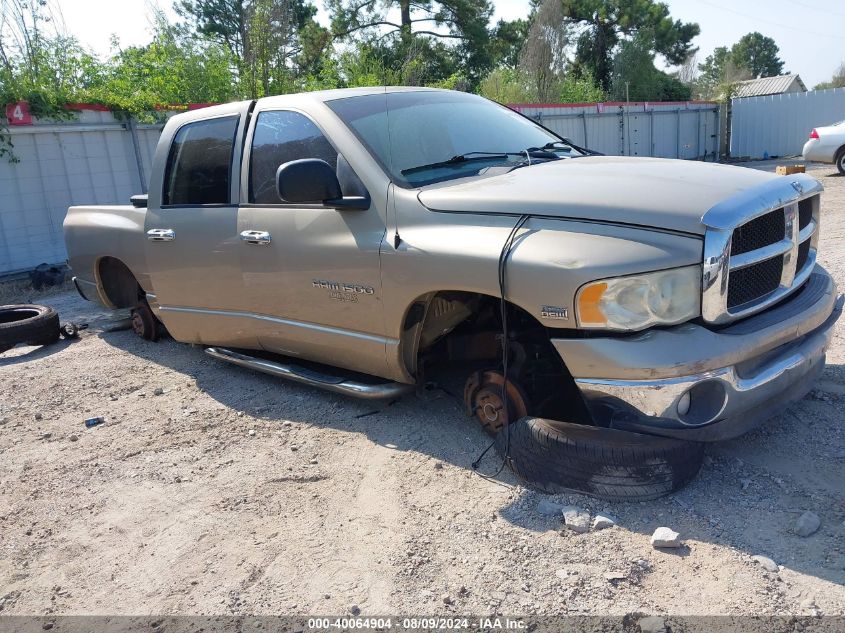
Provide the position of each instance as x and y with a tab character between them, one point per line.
416	624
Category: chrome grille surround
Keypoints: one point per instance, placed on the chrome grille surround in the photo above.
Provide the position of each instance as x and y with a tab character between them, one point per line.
721	221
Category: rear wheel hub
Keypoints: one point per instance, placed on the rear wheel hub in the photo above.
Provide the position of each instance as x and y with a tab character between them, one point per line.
138	323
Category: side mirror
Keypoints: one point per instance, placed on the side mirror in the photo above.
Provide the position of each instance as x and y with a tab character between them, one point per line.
311	180
139	201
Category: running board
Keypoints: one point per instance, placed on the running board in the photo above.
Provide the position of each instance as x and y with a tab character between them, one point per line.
305	376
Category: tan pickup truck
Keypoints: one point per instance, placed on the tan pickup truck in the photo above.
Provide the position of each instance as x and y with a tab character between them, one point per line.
377	230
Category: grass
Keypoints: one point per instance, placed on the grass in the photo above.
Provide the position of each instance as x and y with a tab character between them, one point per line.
21	291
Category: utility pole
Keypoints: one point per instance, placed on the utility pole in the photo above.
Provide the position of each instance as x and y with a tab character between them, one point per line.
628	117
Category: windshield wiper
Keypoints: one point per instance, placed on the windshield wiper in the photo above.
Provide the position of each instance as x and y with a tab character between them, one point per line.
551	145
567	143
459	159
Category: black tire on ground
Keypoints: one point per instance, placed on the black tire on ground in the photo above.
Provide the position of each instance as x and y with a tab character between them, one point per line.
554	457
144	322
30	324
840	161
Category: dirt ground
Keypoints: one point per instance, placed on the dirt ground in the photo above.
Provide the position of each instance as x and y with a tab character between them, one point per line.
215	490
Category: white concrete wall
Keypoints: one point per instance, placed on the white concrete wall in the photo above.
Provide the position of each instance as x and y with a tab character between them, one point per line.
89	160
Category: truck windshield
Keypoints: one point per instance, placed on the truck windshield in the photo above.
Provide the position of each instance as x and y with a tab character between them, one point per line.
421	137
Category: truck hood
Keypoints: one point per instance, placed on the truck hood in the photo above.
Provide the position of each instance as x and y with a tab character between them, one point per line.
653	192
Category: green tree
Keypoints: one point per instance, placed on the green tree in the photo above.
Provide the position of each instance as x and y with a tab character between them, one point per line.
272	42
510	85
605	23
633	73
671	88
634	76
720	74
580	89
39	63
543	60
837	81
458	28
173	69
544	70
713	69
507	85
759	54
506	42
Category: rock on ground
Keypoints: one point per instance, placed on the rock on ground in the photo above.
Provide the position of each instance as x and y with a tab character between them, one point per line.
665	537
807	524
576	519
765	562
602	521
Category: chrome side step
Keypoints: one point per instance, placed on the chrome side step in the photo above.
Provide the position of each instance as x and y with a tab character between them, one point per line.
315	379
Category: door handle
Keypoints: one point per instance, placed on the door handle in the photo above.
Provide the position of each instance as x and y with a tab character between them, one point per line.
161	235
262	238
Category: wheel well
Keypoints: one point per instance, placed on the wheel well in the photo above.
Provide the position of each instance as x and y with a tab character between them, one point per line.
119	285
451	328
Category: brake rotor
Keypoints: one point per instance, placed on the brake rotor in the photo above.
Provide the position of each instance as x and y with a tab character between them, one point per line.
483	398
138	325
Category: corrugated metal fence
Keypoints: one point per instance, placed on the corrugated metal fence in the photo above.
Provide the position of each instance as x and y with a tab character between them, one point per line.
90	160
778	125
687	129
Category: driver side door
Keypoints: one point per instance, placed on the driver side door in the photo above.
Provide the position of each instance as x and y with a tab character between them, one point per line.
310	273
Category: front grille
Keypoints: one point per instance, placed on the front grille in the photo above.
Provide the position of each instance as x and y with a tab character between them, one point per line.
759	232
754	282
805	212
803	254
755	257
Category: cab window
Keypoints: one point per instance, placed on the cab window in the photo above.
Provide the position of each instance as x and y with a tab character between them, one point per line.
199	164
282	136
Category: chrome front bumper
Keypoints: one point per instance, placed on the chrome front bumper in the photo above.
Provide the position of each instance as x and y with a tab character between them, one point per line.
708	385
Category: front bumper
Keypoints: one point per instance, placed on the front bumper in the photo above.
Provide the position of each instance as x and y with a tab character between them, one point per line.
707	385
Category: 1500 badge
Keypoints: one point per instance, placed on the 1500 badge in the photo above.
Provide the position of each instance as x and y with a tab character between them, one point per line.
339	286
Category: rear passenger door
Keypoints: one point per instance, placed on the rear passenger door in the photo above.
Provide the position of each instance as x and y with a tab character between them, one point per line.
192	245
317	274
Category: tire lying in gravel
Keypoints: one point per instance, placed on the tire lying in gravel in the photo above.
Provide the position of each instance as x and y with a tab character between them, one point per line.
30	324
554	457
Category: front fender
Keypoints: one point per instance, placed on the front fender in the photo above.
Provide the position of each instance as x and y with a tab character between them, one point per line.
550	259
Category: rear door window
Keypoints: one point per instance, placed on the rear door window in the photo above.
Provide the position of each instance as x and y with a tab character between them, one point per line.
282	136
200	163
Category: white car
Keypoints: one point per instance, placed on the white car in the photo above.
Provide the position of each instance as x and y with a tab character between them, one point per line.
827	145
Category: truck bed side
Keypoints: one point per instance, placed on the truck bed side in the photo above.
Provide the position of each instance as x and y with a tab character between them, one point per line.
93	233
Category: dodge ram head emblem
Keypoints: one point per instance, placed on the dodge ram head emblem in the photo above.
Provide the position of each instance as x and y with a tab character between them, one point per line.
797	186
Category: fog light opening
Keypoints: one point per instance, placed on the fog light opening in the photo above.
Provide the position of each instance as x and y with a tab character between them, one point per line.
702	403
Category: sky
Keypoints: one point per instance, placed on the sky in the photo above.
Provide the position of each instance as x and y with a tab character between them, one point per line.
810	33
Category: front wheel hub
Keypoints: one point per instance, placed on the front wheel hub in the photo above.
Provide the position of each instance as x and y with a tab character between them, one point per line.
485	394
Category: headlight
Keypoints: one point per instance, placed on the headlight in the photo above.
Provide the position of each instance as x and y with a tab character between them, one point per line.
666	297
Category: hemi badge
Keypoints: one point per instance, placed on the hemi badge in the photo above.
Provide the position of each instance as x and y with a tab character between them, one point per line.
554	312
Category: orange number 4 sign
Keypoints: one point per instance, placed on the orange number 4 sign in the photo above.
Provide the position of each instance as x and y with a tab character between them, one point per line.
18	113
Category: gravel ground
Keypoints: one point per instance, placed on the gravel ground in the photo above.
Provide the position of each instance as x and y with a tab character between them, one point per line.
216	490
